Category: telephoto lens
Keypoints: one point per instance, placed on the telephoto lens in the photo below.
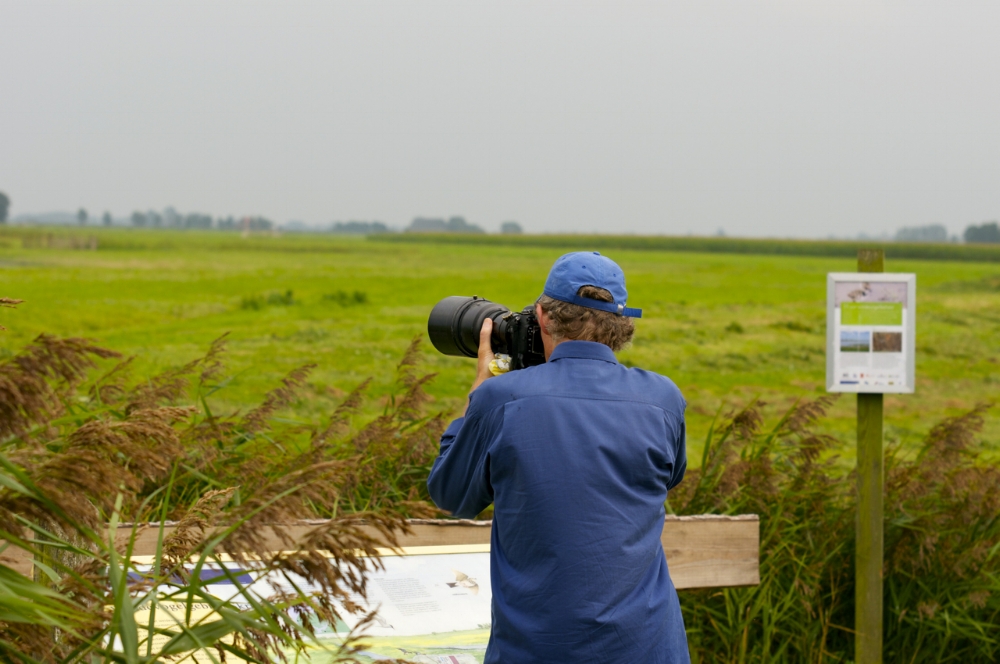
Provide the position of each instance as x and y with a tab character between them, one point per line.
455	322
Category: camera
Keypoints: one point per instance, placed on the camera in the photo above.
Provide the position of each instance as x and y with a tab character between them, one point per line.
455	323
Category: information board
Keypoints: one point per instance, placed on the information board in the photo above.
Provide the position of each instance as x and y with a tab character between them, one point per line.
870	332
434	607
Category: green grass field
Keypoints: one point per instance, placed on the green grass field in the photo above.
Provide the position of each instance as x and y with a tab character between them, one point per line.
725	327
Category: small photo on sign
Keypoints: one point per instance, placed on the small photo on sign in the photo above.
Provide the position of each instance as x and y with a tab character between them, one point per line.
887	342
855	341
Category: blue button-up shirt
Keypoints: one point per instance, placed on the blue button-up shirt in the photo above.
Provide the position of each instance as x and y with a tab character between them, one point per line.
576	455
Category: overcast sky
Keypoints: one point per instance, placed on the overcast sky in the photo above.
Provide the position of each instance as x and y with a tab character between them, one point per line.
781	118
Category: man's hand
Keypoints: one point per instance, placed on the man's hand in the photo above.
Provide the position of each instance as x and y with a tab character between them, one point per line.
485	354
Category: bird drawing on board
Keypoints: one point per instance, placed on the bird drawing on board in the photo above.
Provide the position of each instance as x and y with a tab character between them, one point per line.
463	580
860	293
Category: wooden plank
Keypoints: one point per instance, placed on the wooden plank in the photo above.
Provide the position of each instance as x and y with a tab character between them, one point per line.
712	552
869	540
16	558
702	551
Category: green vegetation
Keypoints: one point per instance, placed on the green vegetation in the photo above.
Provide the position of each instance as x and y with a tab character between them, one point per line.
258	302
942	544
726	327
345	299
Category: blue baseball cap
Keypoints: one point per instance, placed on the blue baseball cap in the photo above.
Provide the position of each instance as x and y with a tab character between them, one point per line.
589	268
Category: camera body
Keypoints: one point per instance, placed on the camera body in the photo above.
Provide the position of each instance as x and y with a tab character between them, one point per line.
455	323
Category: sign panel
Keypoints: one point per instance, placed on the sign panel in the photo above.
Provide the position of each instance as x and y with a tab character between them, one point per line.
870	332
433	607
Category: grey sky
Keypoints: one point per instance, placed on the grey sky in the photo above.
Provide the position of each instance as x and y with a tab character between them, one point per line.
764	118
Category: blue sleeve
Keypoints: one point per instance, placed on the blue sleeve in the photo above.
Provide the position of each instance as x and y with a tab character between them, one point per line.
459	482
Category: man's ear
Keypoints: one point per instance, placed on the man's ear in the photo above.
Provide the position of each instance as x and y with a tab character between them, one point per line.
542	319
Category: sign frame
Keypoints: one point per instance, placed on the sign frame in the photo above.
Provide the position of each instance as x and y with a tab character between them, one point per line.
908	329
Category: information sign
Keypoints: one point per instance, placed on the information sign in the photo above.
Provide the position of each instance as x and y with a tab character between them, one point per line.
870	332
434	606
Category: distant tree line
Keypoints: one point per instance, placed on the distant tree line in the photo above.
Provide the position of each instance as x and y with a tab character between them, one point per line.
985	233
454	224
932	233
359	227
440	225
171	218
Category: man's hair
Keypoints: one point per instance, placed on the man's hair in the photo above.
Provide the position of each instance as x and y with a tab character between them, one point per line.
573	322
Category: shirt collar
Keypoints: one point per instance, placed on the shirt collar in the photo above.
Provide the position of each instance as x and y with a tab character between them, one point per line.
585	350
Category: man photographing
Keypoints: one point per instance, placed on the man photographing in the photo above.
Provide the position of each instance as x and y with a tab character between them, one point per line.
576	455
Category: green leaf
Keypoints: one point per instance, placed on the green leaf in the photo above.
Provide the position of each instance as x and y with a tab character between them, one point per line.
23	600
123	621
201	636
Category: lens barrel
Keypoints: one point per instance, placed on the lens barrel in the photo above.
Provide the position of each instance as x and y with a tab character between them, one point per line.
455	322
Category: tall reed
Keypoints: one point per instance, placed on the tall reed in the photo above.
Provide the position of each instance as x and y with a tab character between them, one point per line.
78	456
942	534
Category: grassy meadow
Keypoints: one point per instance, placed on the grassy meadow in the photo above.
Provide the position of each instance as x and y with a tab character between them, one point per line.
725	327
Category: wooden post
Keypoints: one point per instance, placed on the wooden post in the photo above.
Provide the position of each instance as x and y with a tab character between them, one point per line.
869	545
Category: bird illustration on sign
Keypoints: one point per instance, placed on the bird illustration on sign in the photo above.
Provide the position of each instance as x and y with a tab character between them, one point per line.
463	580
